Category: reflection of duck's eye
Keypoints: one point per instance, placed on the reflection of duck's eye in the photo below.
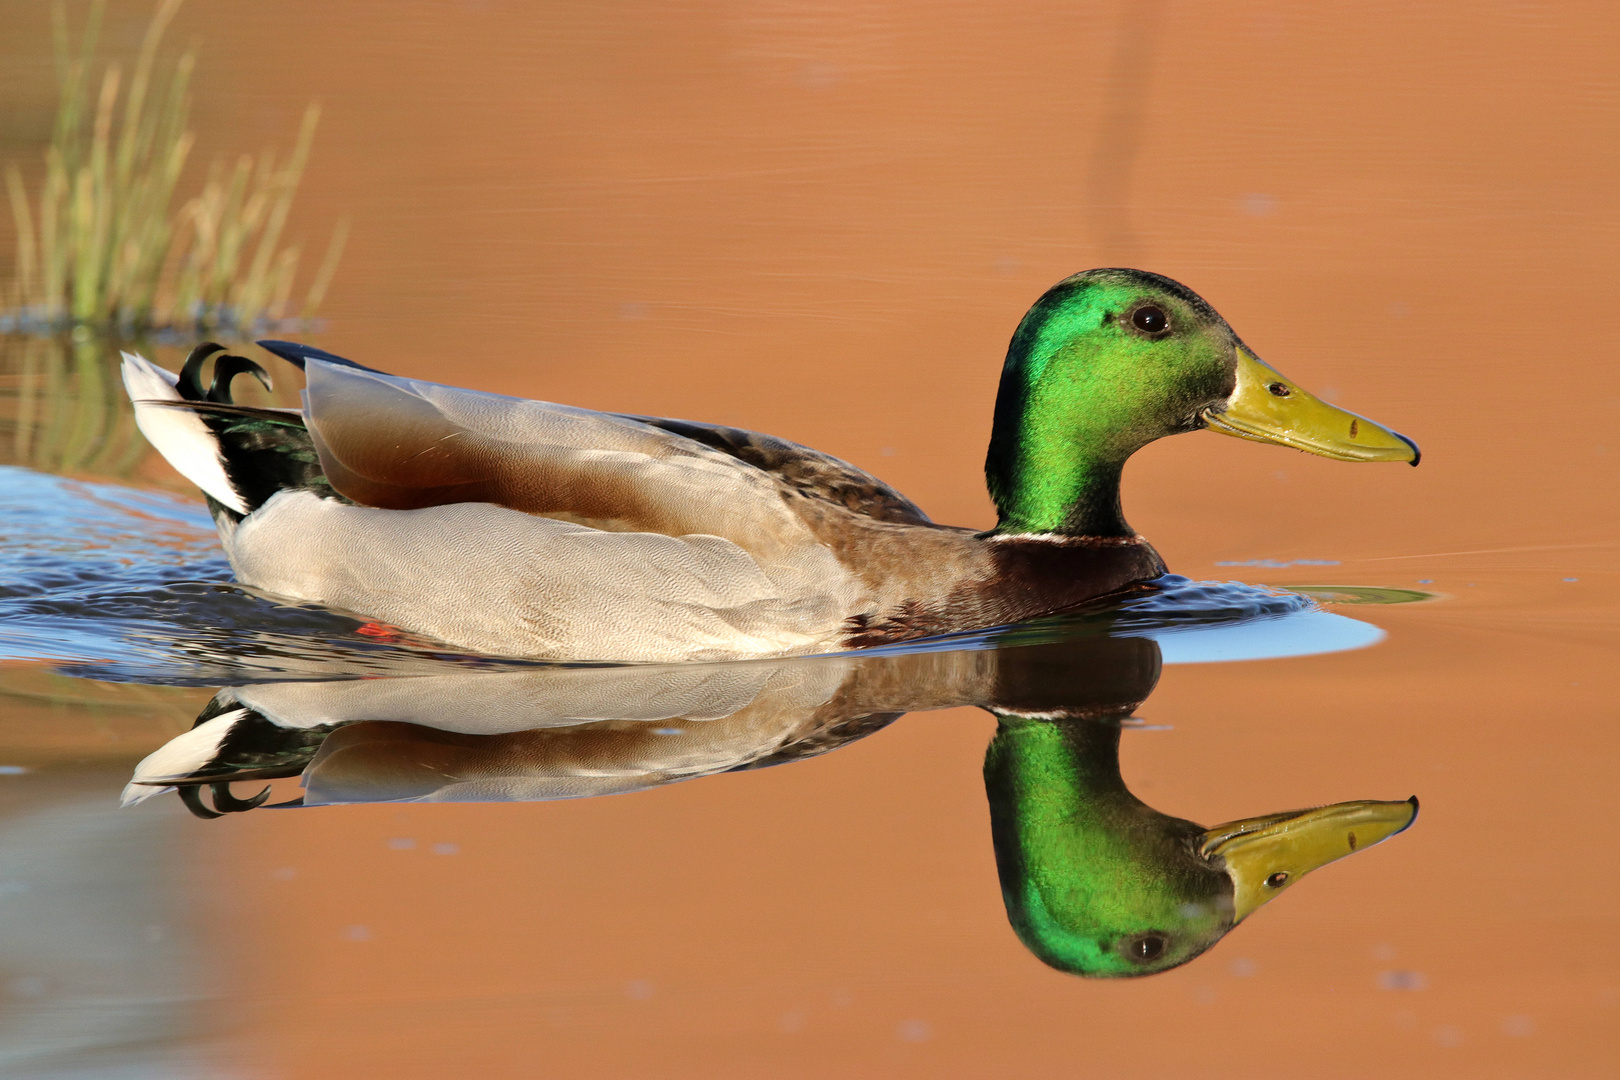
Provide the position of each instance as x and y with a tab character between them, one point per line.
1150	319
1145	949
1277	880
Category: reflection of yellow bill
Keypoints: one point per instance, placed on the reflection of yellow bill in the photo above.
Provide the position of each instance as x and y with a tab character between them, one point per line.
1268	408
1265	855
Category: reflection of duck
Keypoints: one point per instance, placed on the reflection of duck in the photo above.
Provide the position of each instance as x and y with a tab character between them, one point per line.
524	528
1095	881
1099	883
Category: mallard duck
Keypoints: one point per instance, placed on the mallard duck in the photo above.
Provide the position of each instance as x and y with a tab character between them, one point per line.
1095	881
530	529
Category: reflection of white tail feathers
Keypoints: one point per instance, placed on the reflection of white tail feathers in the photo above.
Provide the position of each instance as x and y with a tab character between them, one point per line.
181	756
180	435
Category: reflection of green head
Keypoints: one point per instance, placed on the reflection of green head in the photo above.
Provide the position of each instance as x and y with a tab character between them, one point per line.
1100	884
1096	882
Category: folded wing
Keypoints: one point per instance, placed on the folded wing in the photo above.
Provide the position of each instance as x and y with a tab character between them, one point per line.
401	444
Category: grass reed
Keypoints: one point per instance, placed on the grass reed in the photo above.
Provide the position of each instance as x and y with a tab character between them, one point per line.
101	245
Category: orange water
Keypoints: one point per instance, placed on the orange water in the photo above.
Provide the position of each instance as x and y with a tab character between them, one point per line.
823	220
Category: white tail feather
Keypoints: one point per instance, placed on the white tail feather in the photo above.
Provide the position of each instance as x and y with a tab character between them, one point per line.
179	434
180	756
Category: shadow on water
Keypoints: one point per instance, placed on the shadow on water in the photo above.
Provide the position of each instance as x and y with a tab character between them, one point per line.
100	971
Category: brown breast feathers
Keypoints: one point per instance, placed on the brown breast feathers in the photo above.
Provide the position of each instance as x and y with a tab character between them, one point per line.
1026	577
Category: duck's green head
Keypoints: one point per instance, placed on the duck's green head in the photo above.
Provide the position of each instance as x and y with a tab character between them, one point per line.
1099	884
1108	361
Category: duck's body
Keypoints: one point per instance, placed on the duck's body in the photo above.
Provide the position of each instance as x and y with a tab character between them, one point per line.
532	529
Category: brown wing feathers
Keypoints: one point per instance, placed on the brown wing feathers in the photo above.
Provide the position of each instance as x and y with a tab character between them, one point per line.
803	470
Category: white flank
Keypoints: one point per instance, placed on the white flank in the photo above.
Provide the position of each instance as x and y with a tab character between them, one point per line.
180	756
179	434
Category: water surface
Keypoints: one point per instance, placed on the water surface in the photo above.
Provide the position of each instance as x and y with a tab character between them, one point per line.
824	221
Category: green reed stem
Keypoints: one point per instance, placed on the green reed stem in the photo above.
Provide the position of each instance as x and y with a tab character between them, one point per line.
103	246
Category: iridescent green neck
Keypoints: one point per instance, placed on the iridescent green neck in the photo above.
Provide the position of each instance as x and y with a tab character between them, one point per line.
1064	424
1056	490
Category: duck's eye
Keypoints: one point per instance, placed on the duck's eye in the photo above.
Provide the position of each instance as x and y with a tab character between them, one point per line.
1277	880
1150	319
1145	949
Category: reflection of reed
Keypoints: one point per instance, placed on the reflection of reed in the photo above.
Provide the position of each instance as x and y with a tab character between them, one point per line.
63	407
100	245
1119	139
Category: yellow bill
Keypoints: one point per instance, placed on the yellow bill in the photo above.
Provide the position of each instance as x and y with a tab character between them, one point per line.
1265	855
1268	408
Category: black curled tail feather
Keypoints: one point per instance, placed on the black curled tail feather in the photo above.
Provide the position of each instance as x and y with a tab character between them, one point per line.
226	367
263	451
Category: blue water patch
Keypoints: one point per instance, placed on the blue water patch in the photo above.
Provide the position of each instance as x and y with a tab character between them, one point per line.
1202	622
1304	633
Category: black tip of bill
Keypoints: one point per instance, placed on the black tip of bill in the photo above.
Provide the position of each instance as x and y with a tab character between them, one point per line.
1415	808
1417	456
